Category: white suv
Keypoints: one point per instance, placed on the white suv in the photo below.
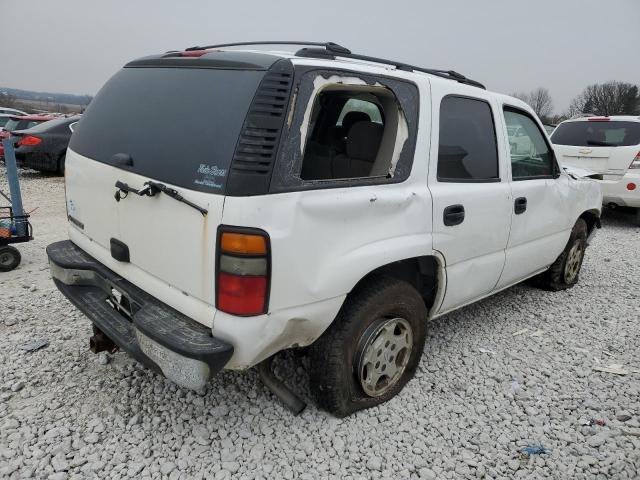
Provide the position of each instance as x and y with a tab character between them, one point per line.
321	199
609	146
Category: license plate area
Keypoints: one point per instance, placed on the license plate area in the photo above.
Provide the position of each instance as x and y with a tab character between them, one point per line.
120	302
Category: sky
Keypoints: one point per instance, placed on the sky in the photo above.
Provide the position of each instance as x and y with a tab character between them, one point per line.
74	46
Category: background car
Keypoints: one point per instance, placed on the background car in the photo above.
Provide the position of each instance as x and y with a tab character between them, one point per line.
12	111
44	146
609	146
549	128
519	141
20	122
4	118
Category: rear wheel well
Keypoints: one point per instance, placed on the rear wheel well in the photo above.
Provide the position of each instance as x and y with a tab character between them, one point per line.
592	219
421	272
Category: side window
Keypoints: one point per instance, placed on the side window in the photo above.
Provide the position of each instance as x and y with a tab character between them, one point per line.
352	133
531	156
467	150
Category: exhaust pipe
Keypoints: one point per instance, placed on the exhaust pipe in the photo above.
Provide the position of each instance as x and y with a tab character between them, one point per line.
99	342
290	400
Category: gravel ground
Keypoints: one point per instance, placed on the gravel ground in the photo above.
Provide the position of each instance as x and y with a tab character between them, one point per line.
485	389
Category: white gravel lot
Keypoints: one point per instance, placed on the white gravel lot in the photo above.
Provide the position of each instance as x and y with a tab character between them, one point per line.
66	413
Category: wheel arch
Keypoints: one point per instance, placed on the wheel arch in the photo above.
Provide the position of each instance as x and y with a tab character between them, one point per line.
592	219
426	273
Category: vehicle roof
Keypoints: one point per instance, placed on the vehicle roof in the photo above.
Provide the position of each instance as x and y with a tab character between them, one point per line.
50	124
229	57
612	118
33	118
7	110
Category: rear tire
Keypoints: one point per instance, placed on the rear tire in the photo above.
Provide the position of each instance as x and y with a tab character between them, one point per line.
9	258
564	272
372	348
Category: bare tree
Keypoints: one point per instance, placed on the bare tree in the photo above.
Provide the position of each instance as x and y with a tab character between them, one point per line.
611	98
524	96
539	100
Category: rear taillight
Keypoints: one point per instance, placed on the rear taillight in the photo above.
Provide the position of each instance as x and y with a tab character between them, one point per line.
29	141
636	161
243	266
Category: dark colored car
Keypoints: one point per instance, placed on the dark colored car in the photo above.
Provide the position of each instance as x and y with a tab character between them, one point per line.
21	122
44	146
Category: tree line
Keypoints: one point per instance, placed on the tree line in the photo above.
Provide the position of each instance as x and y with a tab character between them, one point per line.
602	99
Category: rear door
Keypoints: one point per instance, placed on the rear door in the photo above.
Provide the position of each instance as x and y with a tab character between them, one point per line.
471	196
175	126
598	144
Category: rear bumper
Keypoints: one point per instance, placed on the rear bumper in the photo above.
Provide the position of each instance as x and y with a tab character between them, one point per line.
36	160
155	334
619	193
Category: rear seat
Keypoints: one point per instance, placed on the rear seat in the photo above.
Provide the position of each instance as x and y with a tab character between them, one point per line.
362	146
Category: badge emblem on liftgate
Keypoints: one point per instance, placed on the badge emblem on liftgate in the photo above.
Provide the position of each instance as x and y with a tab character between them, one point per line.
585	151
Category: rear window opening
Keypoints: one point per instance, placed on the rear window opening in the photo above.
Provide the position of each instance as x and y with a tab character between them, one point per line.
353	133
597	134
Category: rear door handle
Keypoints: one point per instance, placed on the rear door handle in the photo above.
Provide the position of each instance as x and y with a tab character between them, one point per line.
453	215
520	205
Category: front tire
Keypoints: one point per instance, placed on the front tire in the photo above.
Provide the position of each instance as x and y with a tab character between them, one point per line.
564	272
371	350
9	258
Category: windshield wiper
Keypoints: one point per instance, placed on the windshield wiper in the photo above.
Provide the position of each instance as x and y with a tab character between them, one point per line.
150	189
161	187
598	143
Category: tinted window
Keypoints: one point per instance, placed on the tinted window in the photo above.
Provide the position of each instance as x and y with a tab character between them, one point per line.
597	134
179	125
467	150
3	121
530	154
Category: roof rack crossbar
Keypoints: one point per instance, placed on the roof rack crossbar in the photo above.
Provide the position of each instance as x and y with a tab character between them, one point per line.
329	46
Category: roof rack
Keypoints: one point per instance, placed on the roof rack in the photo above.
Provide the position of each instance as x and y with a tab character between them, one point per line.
448	74
329	46
332	50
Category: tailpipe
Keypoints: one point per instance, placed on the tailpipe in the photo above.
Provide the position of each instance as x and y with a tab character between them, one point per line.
294	403
99	342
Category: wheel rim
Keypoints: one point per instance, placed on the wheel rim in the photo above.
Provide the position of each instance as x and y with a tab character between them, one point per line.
6	259
574	259
385	352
